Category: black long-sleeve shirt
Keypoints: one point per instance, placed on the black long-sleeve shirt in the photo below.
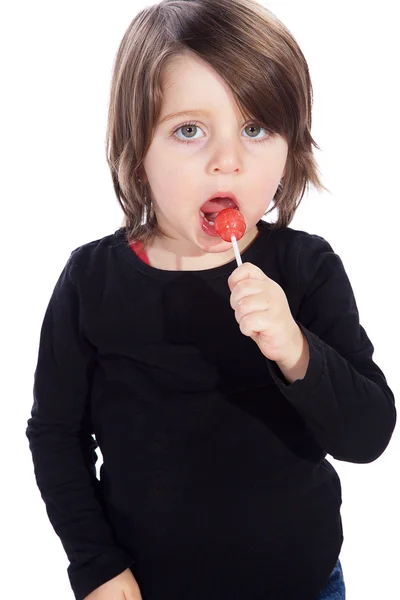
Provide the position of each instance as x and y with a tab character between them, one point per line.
214	482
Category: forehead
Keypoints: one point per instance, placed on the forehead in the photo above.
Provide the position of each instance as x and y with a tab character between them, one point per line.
189	83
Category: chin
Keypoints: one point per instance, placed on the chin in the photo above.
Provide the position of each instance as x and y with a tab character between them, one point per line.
216	246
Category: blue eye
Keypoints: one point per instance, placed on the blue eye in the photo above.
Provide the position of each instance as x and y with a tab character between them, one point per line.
195	124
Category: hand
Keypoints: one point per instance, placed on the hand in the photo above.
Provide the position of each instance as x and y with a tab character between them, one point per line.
263	313
121	587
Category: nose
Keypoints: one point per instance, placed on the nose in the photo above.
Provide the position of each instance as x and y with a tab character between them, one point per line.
226	157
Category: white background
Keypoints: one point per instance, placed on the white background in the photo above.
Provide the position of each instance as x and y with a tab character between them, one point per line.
57	194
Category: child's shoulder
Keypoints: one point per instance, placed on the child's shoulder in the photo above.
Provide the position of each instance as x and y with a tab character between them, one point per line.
103	243
299	239
93	254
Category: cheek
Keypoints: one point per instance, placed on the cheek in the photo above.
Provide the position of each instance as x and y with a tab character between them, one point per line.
266	184
166	165
271	176
280	155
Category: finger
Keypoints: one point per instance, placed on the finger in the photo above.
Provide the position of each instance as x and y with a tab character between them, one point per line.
244	288
245	271
251	304
254	323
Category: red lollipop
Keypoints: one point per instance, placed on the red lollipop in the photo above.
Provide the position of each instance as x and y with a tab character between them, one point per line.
230	222
230	225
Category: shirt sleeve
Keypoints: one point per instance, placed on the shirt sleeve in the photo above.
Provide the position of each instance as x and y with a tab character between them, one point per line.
62	446
344	397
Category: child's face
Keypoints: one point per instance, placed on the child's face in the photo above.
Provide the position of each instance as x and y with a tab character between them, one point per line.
222	155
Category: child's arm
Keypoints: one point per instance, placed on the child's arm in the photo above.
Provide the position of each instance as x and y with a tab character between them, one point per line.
62	445
344	397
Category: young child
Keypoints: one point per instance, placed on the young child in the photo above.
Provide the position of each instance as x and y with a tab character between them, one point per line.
214	392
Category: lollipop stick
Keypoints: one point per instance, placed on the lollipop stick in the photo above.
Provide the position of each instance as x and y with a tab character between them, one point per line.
236	251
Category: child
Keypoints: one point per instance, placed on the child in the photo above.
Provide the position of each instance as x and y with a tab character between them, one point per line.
214	391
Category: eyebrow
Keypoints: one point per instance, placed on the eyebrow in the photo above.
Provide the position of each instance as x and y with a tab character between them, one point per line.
183	113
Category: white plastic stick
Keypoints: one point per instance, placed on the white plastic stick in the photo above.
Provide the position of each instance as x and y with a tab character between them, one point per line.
236	251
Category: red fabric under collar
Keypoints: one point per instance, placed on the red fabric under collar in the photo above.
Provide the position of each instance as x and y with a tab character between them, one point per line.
138	248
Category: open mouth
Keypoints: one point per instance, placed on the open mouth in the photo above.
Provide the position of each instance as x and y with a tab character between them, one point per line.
211	208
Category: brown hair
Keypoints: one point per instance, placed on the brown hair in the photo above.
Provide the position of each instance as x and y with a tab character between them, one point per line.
251	50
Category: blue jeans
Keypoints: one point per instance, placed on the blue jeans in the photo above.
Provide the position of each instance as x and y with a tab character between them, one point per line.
335	588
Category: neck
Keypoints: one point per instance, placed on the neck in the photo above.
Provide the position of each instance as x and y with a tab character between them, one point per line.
162	256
